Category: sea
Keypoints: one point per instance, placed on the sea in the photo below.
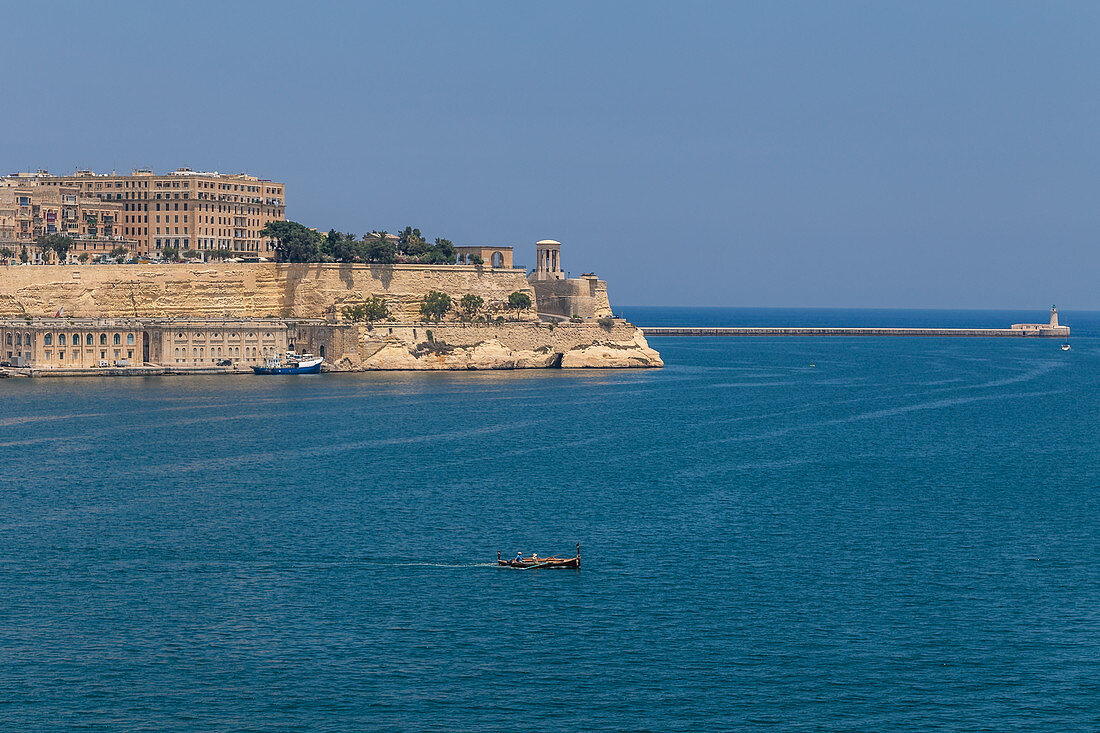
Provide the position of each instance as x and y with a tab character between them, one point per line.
777	534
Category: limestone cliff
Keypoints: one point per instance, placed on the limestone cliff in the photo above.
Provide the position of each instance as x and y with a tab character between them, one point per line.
523	345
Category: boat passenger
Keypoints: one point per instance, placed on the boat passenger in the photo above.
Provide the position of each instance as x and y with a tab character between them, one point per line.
519	556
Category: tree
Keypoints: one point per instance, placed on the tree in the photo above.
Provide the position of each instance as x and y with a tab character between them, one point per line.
83	258
435	305
379	249
42	244
61	245
469	305
190	254
220	254
23	256
440	253
341	247
372	309
518	301
375	309
294	242
411	243
6	253
476	260
170	253
119	252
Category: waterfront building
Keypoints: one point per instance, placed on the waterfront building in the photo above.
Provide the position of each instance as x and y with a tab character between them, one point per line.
201	342
184	209
83	343
29	209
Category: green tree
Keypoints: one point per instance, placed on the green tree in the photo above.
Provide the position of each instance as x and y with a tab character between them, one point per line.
354	313
170	253
23	255
375	309
62	245
477	260
83	258
6	254
372	309
379	249
294	242
119	252
469	305
190	254
440	253
59	244
42	244
220	254
435	305
341	247
410	242
518	301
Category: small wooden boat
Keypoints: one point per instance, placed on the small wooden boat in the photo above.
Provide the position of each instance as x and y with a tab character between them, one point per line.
530	563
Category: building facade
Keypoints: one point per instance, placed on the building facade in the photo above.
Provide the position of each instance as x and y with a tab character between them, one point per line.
83	343
30	209
183	210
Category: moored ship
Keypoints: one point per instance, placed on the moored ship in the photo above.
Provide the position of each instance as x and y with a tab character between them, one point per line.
292	364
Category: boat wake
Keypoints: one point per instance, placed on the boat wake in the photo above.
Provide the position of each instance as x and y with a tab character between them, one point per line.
439	564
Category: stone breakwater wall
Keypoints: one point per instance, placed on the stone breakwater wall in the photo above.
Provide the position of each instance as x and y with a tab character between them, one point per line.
1038	330
453	346
241	290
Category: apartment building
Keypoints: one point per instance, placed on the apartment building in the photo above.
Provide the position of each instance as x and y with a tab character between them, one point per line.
185	209
29	209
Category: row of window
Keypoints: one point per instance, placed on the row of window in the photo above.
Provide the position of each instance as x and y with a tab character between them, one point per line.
47	339
99	186
232	352
74	355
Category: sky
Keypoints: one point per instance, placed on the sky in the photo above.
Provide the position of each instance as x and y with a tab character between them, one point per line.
802	154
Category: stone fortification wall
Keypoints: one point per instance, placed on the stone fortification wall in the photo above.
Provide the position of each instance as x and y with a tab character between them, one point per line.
450	346
240	290
584	296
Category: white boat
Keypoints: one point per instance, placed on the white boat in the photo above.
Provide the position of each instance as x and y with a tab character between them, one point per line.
292	364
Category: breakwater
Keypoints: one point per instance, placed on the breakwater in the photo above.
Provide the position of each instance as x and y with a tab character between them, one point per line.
1037	332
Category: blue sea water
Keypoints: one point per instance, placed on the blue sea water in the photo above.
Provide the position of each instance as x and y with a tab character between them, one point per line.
903	537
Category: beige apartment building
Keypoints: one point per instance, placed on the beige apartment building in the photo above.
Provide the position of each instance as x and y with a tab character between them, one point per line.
184	209
30	209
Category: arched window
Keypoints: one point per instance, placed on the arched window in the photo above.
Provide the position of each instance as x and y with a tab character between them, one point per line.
498	259
47	340
18	339
118	339
60	339
27	339
322	351
129	339
9	339
177	352
102	339
88	340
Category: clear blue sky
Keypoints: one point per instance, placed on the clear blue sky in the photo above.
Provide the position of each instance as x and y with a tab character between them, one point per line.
767	153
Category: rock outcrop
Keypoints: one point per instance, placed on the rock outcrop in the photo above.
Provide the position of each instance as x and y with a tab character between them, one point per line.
514	345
